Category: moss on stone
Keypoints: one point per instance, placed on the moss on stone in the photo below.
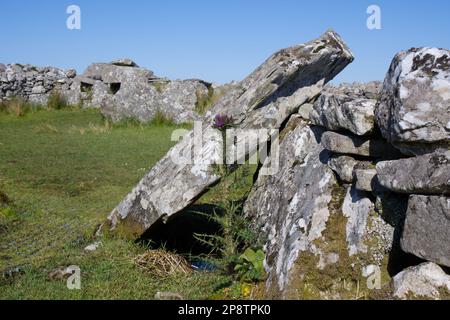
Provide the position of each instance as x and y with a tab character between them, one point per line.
341	280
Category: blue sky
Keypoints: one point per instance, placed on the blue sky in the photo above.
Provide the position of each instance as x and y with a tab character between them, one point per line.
214	40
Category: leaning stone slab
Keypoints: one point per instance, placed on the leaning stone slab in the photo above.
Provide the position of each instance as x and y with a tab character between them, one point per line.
354	145
414	109
428	174
265	99
336	111
426	280
427	228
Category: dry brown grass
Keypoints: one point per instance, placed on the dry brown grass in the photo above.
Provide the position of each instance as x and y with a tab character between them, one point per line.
45	128
16	106
162	263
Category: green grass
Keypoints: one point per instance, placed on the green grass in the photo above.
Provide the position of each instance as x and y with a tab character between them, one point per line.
62	172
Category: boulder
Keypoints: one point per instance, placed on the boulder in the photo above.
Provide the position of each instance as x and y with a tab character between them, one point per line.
414	109
343	166
265	99
110	73
427	174
335	110
305	110
426	280
354	145
426	232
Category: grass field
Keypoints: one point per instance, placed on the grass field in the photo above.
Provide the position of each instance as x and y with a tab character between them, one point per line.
63	172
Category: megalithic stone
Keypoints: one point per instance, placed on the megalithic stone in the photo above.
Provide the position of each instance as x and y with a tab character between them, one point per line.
263	100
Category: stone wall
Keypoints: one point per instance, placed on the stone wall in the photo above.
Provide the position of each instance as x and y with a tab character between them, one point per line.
121	89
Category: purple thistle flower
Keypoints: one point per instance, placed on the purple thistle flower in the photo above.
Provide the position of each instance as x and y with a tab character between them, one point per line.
222	122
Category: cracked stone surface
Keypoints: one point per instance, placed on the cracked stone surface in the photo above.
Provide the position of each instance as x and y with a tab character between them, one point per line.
414	109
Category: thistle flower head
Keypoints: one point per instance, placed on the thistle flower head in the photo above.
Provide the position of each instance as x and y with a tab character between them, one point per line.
222	122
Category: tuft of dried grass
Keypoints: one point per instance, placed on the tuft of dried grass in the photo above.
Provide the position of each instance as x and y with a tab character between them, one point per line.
45	128
163	263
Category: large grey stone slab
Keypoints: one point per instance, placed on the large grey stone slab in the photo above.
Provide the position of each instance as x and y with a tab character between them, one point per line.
336	110
428	174
290	208
426	232
265	99
354	145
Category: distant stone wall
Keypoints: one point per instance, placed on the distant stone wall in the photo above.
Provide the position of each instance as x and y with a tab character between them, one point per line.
33	83
121	89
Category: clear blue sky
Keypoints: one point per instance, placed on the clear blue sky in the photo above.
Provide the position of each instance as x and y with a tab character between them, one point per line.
214	40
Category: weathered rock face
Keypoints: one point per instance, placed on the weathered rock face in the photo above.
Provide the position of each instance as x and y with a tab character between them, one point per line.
414	110
311	223
427	228
427	280
348	144
291	207
343	108
428	174
32	83
356	209
265	99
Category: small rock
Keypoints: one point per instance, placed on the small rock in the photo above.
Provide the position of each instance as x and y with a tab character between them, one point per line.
93	246
347	144
369	270
60	273
168	296
366	180
71	73
124	63
343	166
422	281
305	110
